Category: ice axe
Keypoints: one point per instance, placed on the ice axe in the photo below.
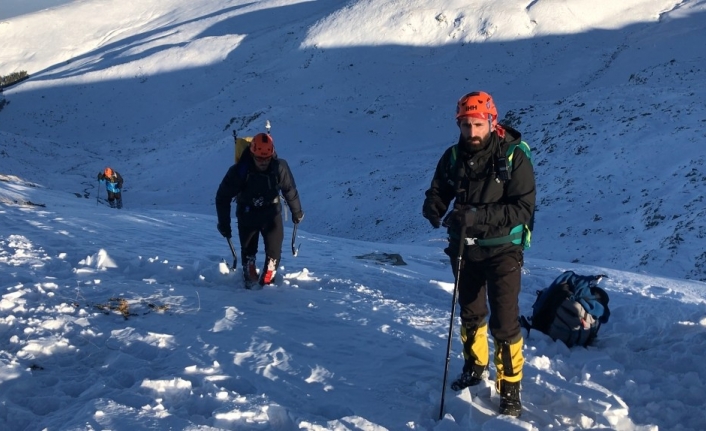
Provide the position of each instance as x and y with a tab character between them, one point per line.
295	249
235	256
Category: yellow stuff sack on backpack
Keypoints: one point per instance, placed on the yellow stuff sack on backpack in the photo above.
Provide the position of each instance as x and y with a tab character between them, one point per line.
240	145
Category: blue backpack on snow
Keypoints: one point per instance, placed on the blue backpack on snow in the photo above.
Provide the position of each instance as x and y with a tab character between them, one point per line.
571	309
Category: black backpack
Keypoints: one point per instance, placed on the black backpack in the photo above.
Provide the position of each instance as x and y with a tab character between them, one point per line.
571	309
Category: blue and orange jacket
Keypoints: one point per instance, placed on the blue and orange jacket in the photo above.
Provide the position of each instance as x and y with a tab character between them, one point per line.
113	183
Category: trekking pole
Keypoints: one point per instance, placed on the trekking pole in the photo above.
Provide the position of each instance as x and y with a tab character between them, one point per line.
99	192
459	260
295	250
235	256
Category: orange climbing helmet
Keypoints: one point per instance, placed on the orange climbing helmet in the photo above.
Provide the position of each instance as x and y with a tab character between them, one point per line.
478	104
262	145
108	172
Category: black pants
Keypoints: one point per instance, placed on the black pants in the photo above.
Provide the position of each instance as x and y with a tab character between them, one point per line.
266	223
112	197
497	278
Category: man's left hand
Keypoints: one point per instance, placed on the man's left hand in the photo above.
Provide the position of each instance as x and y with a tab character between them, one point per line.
462	216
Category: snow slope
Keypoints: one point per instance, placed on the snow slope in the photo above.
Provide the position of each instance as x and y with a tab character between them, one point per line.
128	319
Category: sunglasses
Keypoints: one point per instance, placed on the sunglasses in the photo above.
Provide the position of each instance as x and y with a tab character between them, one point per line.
262	159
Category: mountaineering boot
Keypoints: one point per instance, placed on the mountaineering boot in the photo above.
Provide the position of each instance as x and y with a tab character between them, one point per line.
472	375
120	203
508	363
249	271
510	399
268	272
112	204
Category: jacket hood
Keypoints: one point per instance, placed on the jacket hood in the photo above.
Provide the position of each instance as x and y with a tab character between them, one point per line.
509	134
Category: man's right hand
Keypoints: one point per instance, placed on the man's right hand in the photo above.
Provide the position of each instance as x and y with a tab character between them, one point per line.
224	230
430	213
434	220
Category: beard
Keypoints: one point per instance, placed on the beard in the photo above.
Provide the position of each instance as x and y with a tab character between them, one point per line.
476	143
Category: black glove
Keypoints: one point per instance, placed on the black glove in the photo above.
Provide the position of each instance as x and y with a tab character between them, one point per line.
462	216
434	220
296	219
224	230
430	213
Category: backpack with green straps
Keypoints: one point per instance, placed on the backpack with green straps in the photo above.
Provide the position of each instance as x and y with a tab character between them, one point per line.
520	234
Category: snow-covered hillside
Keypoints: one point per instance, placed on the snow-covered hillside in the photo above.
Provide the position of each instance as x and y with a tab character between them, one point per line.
130	320
609	95
127	320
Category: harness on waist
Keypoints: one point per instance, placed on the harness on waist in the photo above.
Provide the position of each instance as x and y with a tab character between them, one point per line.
518	235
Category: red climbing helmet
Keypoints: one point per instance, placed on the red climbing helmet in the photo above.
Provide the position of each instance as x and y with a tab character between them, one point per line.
478	104
262	145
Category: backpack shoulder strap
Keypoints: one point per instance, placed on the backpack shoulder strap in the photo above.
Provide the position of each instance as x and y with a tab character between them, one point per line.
525	149
453	158
451	173
275	169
